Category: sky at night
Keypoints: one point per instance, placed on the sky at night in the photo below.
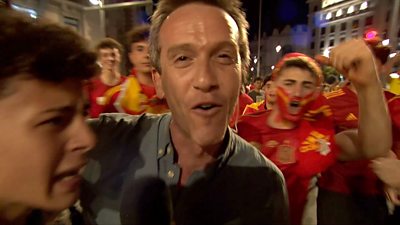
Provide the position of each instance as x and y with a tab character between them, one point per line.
275	14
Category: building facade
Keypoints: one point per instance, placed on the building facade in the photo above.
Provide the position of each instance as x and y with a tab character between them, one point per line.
334	21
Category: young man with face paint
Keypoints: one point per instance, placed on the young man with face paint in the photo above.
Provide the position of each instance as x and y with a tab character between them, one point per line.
186	167
298	147
44	136
295	94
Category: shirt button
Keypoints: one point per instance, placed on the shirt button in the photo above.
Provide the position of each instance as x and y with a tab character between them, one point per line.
170	174
160	151
169	150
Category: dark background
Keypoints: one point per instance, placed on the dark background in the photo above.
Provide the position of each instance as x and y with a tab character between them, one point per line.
275	14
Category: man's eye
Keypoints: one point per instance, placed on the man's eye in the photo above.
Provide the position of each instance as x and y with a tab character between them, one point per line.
226	59
182	58
182	61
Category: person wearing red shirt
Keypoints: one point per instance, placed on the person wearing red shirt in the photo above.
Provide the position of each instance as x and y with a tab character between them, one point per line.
289	125
269	99
299	148
109	59
350	192
137	94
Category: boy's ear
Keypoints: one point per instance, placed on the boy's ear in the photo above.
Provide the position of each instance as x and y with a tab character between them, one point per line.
157	83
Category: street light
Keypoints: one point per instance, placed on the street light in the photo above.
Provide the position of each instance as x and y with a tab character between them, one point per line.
278	48
385	42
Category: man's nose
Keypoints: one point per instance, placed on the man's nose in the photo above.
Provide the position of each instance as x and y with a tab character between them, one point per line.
206	77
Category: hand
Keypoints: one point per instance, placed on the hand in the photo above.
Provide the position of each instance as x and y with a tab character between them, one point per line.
388	170
392	194
354	60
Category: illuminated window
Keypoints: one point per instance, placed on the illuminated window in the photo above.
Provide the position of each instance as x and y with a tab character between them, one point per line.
364	5
328	16
350	10
339	13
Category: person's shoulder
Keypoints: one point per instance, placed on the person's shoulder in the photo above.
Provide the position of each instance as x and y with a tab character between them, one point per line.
115	121
334	94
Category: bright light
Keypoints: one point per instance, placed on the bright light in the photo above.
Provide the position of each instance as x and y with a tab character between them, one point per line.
339	13
328	16
272	67
255	60
350	10
34	16
95	2
394	76
326	52
364	5
385	42
278	48
371	34
392	55
252	69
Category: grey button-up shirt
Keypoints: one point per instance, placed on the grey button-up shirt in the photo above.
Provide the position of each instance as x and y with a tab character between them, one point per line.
132	178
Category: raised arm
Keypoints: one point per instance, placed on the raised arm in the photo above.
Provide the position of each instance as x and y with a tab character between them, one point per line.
373	137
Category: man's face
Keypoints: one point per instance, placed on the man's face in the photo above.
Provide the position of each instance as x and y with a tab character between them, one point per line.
139	57
43	143
109	58
258	84
201	71
295	90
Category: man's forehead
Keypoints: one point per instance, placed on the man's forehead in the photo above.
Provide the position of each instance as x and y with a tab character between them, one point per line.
201	17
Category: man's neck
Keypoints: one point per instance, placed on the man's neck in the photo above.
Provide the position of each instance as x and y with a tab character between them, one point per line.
191	156
144	78
275	120
110	78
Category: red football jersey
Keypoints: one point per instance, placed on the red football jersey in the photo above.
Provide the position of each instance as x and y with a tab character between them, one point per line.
96	89
300	153
354	176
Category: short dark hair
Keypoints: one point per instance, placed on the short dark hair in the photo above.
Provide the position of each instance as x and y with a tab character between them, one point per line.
137	34
109	43
267	78
43	50
257	79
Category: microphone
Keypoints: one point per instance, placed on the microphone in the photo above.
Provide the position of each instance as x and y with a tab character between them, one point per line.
146	201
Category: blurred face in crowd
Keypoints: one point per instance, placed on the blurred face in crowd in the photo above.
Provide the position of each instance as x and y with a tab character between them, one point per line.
270	95
295	90
43	143
109	58
258	84
139	57
201	71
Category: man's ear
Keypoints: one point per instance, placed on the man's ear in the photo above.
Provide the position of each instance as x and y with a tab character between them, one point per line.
157	83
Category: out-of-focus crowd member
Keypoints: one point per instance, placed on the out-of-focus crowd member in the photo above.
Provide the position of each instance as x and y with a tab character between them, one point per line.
44	137
257	94
200	51
109	59
299	148
350	192
243	101
137	94
269	98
